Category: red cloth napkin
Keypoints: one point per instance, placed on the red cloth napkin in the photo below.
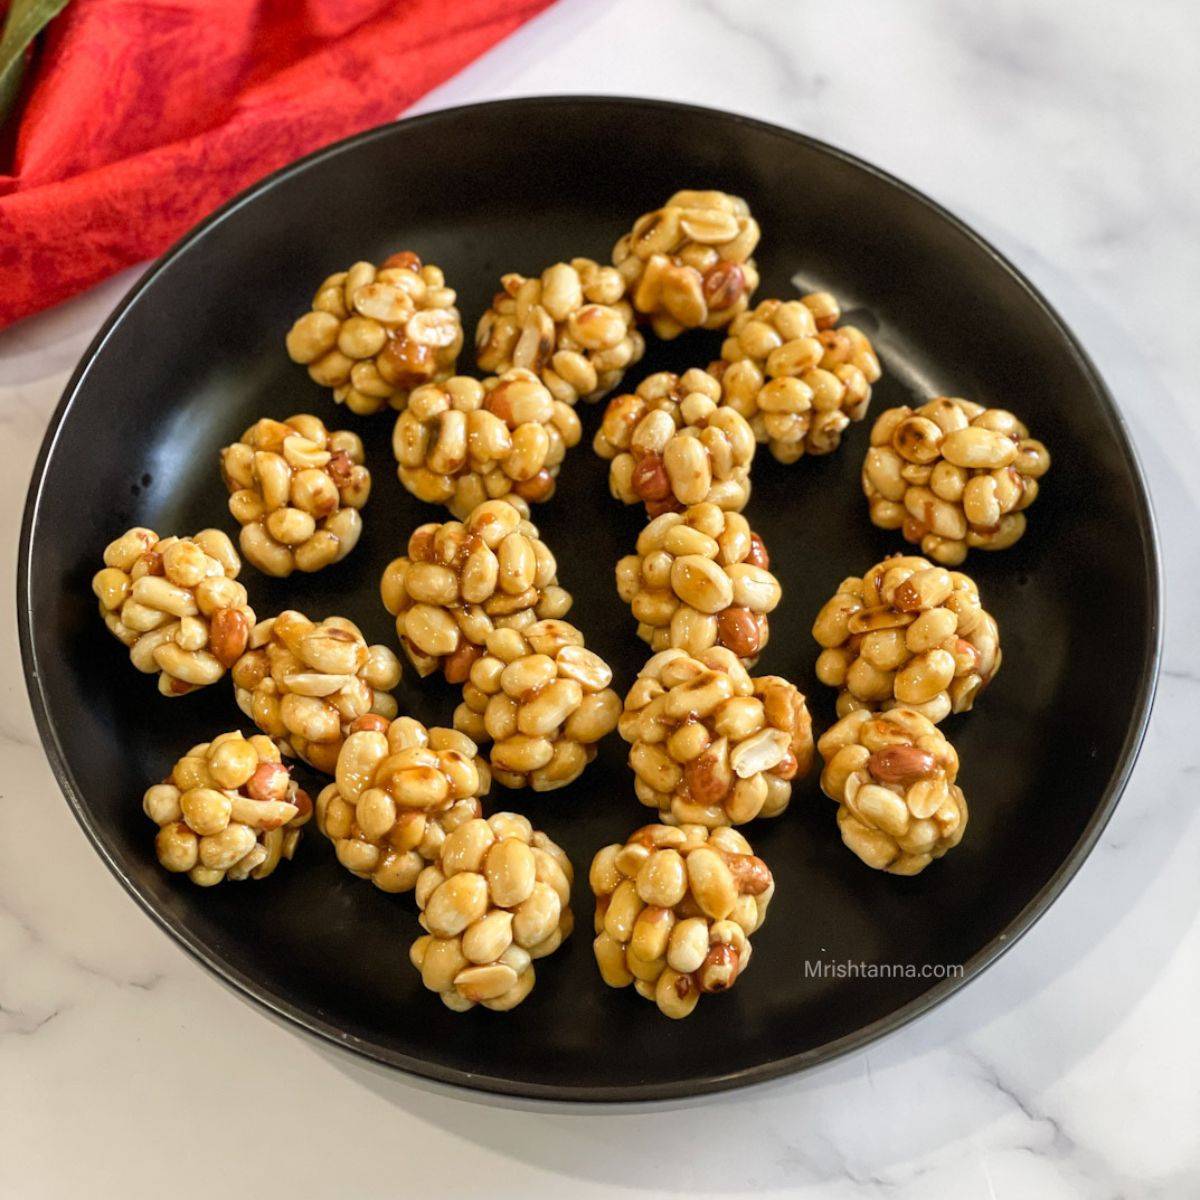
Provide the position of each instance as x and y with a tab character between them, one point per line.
147	114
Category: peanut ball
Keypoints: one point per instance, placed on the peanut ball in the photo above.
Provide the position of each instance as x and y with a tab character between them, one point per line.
176	604
796	376
374	334
673	443
307	683
399	791
571	326
909	634
711	746
675	909
687	265
952	475
700	579
462	579
542	699
462	442
296	489
892	775
229	810
497	898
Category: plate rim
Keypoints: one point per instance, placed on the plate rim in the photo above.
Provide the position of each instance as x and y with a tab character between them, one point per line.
623	1094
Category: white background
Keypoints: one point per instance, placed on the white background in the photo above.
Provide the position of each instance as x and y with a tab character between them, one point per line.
1067	133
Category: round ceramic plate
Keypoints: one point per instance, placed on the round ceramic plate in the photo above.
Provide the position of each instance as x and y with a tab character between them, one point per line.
195	353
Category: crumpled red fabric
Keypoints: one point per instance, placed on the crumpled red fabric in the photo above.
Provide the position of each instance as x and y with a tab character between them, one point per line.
145	115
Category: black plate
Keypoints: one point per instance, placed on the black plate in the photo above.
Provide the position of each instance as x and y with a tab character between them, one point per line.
195	353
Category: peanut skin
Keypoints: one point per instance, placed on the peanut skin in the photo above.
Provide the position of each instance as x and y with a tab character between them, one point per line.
738	630
901	764
269	782
749	872
724	283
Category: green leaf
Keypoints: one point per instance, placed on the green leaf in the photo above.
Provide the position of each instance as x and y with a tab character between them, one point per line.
26	19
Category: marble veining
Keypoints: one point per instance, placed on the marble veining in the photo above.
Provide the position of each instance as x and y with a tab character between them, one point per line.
1068	135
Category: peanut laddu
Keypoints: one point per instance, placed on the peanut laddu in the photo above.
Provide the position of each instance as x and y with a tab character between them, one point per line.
688	265
711	746
462	579
893	777
675	909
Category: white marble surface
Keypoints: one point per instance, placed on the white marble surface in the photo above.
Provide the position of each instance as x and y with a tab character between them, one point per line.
1067	133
